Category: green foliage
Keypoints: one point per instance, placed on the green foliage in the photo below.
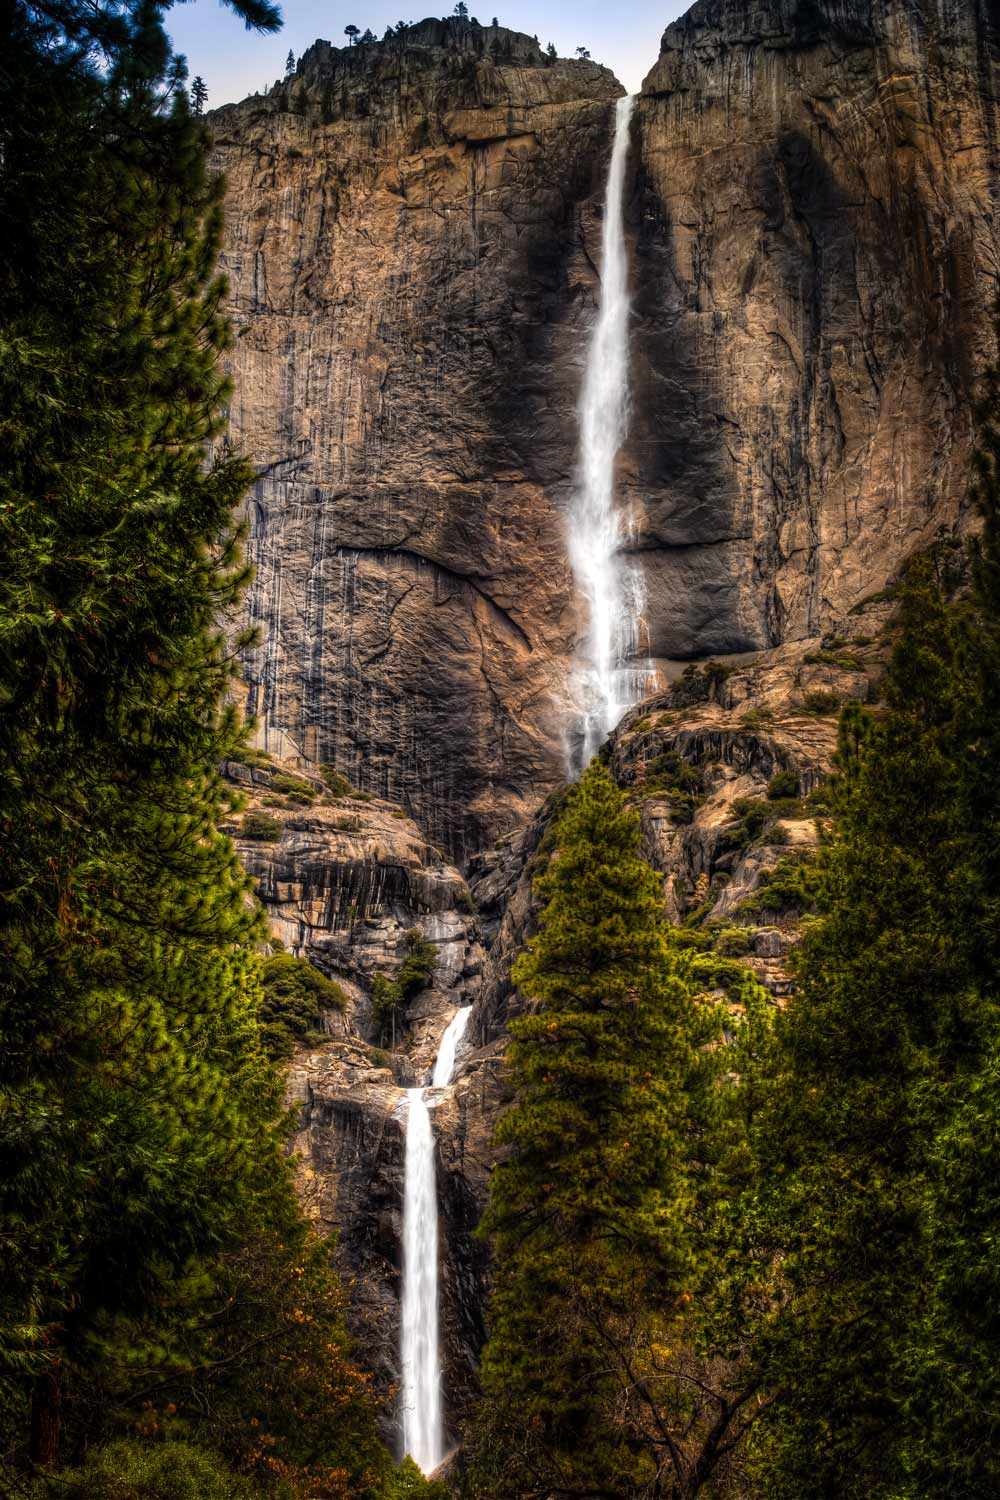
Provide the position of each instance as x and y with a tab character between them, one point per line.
387	1005
164	1471
295	994
845	661
692	940
732	942
758	821
150	1247
820	701
294	788
553	808
835	1203
819	802
792	885
712	672
138	1110
716	971
408	1483
274	1387
255	759
391	996
757	718
872	1136
717	673
640	726
684	785
417	969
338	784
951	1393
783	784
589	1208
260	827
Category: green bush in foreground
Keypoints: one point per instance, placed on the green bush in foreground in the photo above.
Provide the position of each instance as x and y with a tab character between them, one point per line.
161	1471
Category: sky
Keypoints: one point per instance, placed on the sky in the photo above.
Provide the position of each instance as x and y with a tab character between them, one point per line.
235	62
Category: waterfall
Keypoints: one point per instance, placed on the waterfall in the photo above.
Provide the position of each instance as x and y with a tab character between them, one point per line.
444	1067
421	1357
607	684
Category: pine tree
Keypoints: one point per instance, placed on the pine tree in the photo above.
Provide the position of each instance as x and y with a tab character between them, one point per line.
589	1206
892	1013
137	1111
953	1394
199	96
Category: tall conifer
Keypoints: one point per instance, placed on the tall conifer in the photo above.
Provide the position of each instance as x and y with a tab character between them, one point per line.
589	1208
137	1114
952	1399
883	1108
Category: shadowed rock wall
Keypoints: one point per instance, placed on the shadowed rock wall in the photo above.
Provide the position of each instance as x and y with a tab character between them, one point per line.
816	261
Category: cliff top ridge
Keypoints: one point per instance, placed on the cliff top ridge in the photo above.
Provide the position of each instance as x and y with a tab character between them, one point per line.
455	34
479	66
780	25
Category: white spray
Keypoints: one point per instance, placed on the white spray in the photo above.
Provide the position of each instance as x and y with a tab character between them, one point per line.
607	685
421	1357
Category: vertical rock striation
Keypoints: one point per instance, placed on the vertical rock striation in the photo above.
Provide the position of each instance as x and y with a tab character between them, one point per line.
411	235
817	261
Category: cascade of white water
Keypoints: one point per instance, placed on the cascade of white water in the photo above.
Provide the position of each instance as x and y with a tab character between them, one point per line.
421	1378
444	1066
421	1359
608	680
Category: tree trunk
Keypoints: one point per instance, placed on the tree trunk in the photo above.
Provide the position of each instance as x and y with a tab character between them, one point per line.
46	1419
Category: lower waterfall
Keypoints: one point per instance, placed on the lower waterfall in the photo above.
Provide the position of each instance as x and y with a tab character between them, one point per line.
609	681
420	1352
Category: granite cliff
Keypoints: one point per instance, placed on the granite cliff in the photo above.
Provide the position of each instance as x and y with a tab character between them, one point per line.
412	244
817	260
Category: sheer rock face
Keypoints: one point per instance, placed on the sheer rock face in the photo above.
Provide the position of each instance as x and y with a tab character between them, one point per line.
412	247
817	248
411	244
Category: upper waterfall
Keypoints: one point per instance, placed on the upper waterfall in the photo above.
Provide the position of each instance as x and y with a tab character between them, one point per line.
606	682
444	1066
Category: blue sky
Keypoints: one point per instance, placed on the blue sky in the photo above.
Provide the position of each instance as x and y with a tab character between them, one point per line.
235	62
